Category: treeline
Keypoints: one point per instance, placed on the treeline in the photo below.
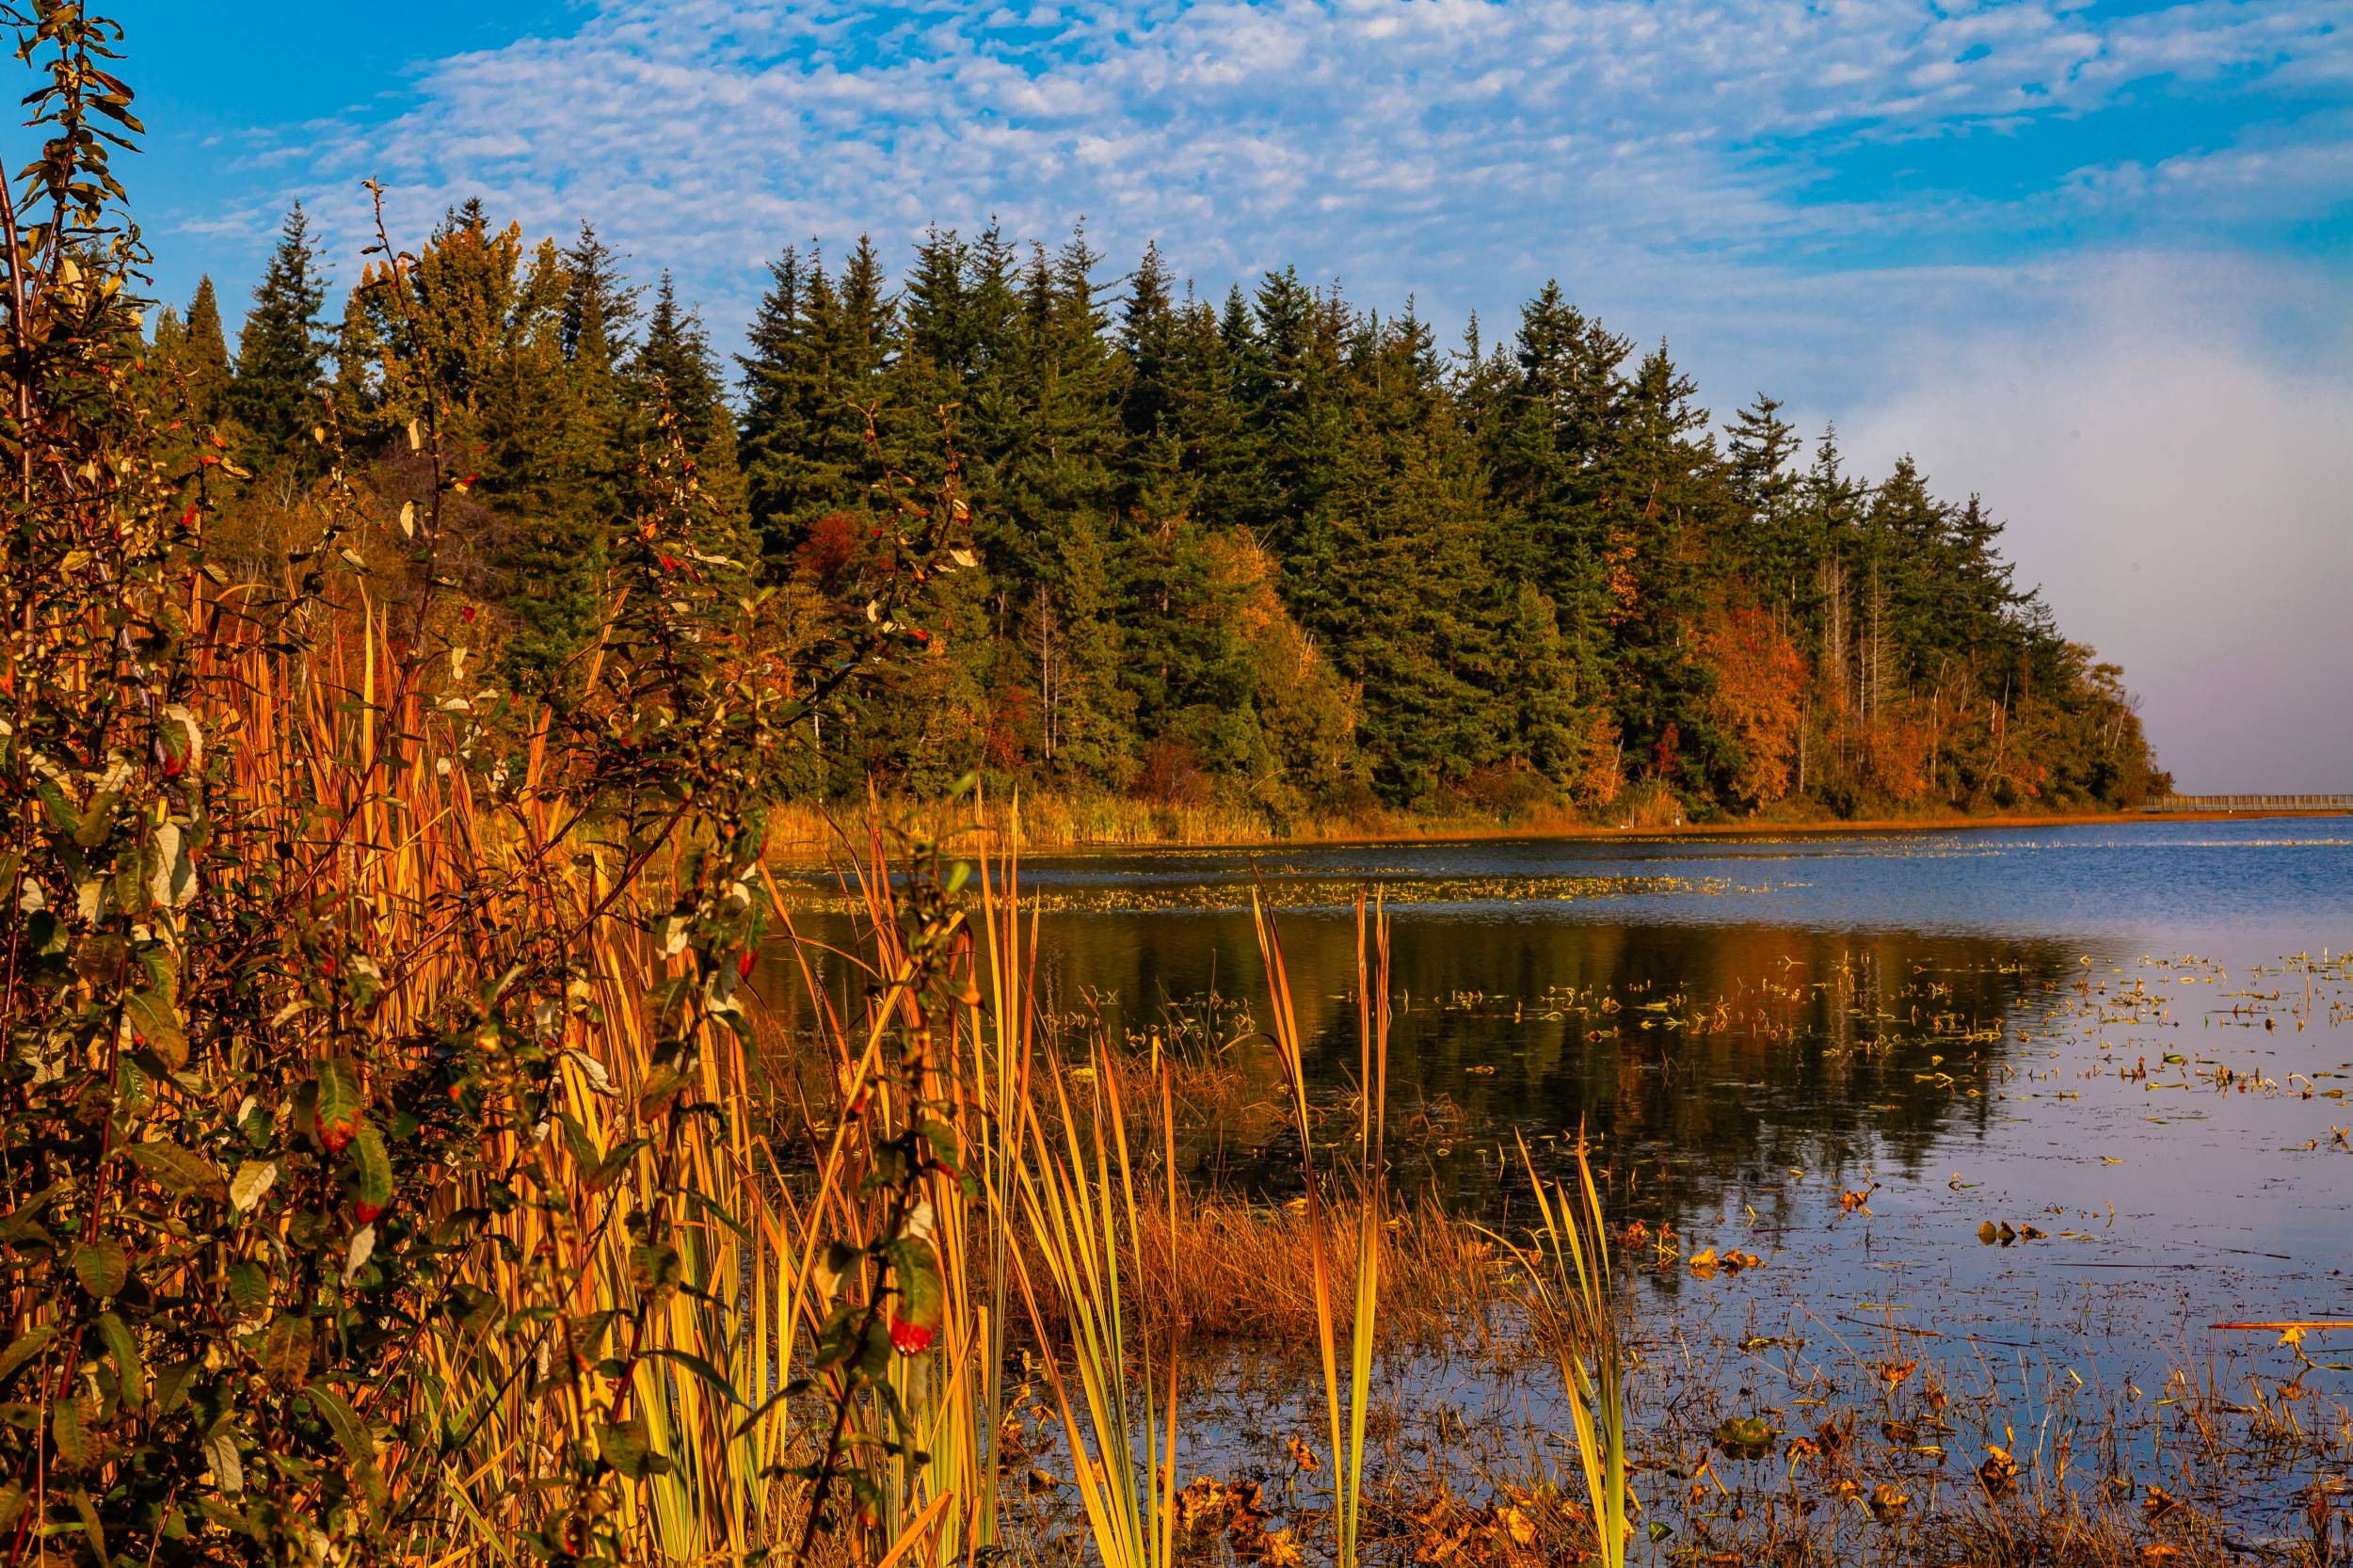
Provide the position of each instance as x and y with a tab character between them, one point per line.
1274	551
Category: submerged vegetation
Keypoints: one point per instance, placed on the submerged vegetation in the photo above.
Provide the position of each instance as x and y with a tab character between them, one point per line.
430	1134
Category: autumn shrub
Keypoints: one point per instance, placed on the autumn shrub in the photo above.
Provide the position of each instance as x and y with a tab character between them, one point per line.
374	1055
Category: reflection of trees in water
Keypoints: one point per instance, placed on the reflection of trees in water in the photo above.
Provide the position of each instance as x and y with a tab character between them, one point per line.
1818	1056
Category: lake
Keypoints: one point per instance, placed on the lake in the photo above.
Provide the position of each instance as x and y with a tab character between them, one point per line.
2121	1053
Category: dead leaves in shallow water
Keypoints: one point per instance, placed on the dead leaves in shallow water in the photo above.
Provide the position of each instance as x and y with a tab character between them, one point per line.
1518	1527
1238	1512
1999	1475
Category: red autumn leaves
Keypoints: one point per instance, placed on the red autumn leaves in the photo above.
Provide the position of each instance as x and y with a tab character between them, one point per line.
338	1121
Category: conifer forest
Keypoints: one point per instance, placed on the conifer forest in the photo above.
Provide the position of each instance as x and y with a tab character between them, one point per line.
1279	551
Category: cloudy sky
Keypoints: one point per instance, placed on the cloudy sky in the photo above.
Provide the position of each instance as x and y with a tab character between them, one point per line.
2090	260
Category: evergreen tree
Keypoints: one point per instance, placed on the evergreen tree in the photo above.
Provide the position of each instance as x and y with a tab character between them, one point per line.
818	352
204	357
674	380
1276	551
282	352
1402	592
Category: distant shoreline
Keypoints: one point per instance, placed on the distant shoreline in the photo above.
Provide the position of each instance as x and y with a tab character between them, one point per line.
1744	828
1051	836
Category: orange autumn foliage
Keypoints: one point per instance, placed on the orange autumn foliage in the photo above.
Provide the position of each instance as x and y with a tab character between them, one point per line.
1760	680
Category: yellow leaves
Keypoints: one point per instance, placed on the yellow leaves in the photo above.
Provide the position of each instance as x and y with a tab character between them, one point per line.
1888	1502
1705	1263
1280	1549
1998	1474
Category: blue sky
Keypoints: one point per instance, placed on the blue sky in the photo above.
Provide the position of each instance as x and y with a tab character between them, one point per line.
2090	260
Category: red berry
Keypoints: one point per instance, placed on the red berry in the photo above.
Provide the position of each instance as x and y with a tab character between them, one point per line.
468	612
909	1338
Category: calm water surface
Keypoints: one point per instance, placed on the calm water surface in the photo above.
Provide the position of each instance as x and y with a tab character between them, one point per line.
1755	1025
2136	1039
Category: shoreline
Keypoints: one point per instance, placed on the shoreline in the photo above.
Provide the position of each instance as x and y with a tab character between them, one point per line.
1037	842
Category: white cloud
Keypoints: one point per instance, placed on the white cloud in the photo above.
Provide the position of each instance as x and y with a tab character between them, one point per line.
2183	496
1406	128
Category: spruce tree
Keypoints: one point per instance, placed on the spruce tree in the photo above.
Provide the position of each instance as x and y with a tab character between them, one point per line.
675	377
1402	592
282	352
204	359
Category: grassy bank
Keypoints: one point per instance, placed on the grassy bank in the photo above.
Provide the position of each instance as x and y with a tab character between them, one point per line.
1040	822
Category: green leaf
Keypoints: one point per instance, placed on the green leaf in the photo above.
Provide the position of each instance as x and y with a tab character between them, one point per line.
176	1170
661	1090
253	1178
90	1524
29	1345
339	1098
98	820
581	1147
77	1446
915	1270
101	1265
656	1268
1745	1436
156	1025
129	1368
628	1448
171	1386
701	1369
352	1437
372	1165
221	1452
248	1286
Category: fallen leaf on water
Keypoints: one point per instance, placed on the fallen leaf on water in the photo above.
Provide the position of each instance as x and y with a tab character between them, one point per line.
1745	1436
1999	1475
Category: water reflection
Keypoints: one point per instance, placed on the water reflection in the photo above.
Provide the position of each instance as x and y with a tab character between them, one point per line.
1708	1055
